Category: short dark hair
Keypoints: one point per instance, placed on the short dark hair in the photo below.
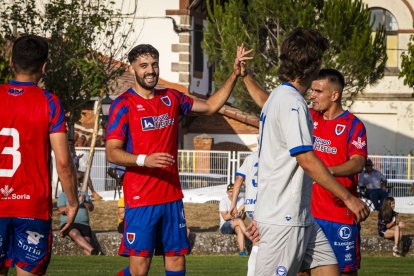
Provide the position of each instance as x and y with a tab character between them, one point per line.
301	54
142	49
29	53
333	76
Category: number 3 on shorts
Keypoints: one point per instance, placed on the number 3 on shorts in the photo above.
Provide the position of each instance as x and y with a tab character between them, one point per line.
13	151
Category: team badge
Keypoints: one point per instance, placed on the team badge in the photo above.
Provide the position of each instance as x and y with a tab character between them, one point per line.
166	100
130	237
339	129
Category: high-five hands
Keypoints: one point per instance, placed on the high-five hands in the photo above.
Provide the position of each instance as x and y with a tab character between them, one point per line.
239	66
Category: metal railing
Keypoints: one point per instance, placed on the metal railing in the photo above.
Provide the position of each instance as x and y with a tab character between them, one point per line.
200	169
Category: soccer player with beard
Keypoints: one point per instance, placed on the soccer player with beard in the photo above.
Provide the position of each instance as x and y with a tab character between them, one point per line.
286	153
142	135
32	122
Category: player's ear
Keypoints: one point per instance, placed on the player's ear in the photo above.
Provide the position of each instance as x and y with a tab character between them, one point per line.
335	95
44	68
131	69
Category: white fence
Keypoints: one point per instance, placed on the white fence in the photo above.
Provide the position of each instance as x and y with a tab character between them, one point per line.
200	169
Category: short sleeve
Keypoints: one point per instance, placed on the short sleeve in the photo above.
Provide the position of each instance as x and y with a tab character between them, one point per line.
357	143
118	120
223	206
295	122
56	113
185	102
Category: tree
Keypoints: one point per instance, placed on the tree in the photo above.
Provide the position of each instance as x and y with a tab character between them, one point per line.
85	37
407	64
262	24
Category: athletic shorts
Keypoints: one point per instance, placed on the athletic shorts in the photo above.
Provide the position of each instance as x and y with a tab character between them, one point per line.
345	241
157	226
226	228
286	250
25	242
85	230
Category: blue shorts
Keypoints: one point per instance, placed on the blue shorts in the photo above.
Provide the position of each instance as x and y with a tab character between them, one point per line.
345	241
25	242
226	228
160	226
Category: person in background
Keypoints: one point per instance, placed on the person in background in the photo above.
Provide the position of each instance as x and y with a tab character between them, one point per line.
247	175
80	175
230	225
375	183
389	226
80	231
120	214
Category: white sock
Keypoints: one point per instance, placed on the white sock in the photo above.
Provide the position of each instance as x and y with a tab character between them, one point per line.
251	264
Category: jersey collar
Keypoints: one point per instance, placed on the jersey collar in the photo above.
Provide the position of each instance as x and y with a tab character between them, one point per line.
291	85
22	83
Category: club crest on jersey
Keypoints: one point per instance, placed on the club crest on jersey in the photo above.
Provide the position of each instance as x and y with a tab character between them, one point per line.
339	129
130	237
166	100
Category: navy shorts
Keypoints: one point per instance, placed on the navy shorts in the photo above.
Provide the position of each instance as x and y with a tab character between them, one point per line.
25	242
160	226
345	241
226	228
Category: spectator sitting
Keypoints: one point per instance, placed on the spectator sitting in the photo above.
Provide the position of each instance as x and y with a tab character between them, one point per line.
389	226
80	175
228	225
375	184
80	231
121	214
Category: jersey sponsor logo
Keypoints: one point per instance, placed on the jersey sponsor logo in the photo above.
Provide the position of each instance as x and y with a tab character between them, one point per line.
130	237
15	91
359	144
250	201
166	100
140	107
344	232
33	237
156	122
348	244
323	145
8	194
339	129
281	271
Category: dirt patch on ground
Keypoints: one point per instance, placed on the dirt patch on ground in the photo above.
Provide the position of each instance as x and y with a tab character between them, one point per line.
205	217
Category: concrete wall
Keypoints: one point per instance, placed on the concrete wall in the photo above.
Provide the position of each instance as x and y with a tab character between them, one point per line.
207	243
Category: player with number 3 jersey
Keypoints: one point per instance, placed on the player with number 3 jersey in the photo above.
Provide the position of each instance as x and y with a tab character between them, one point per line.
32	121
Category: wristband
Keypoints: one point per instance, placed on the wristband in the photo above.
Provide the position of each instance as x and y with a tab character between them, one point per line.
140	160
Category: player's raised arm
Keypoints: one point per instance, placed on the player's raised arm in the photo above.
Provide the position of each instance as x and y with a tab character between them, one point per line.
219	98
66	173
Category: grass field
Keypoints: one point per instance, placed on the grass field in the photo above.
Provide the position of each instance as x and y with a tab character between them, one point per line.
207	265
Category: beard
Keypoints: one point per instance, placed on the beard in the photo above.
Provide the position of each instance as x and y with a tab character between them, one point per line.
141	81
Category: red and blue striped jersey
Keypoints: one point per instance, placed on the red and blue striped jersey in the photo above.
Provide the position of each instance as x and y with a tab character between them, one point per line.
28	114
148	126
335	141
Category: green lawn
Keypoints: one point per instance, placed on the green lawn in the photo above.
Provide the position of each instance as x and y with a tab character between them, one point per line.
207	265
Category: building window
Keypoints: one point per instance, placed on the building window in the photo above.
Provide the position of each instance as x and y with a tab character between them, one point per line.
198	63
380	16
